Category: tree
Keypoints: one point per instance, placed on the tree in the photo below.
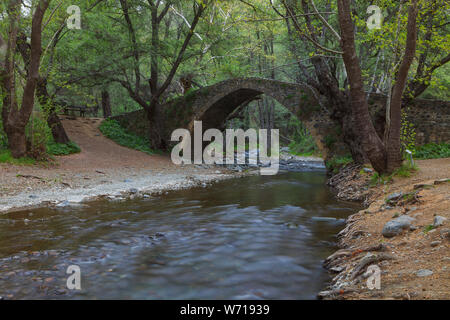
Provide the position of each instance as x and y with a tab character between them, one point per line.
106	104
383	65
385	156
156	88
325	77
14	118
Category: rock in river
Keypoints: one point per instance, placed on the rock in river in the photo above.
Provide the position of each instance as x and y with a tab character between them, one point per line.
396	226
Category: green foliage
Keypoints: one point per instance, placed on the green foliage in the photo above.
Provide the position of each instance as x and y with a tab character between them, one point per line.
330	141
3	138
233	39
61	149
433	151
337	162
6	157
377	179
405	171
407	133
306	146
38	133
303	143
428	228
112	130
440	85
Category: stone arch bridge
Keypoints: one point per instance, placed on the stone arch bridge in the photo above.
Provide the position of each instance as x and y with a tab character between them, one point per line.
213	104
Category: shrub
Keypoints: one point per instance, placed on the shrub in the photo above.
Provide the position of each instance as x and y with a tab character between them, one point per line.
433	151
404	171
6	157
306	146
61	149
112	130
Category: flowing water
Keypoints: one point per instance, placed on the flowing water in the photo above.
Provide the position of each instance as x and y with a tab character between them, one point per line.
254	237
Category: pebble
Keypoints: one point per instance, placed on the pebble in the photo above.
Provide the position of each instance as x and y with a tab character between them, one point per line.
441	181
394	196
60	291
424	273
63	204
337	269
422	185
445	233
435	243
438	221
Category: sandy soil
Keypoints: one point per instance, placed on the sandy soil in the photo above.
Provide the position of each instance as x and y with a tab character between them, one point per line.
103	168
403	258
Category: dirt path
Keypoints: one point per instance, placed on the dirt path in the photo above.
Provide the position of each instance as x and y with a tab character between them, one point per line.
99	152
101	168
415	264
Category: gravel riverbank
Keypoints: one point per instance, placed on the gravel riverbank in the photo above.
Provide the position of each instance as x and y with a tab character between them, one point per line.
403	233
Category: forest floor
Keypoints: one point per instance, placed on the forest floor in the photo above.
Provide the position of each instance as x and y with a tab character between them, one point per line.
102	169
414	264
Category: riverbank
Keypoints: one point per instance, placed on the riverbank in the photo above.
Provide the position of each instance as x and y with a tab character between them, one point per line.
103	169
404	231
61	189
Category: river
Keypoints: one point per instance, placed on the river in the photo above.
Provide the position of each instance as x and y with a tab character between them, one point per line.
258	237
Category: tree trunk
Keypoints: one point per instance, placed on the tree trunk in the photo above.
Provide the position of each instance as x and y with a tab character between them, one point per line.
53	121
370	141
157	141
15	119
58	132
393	145
106	104
17	142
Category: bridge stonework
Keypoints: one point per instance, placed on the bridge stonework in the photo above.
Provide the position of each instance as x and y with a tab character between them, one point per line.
213	104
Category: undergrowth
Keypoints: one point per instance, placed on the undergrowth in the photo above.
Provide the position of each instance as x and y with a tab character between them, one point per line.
61	149
433	151
405	171
112	130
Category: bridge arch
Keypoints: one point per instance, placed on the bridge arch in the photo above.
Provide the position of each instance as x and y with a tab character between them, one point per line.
213	104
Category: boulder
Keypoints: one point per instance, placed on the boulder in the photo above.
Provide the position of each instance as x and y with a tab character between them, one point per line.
396	226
